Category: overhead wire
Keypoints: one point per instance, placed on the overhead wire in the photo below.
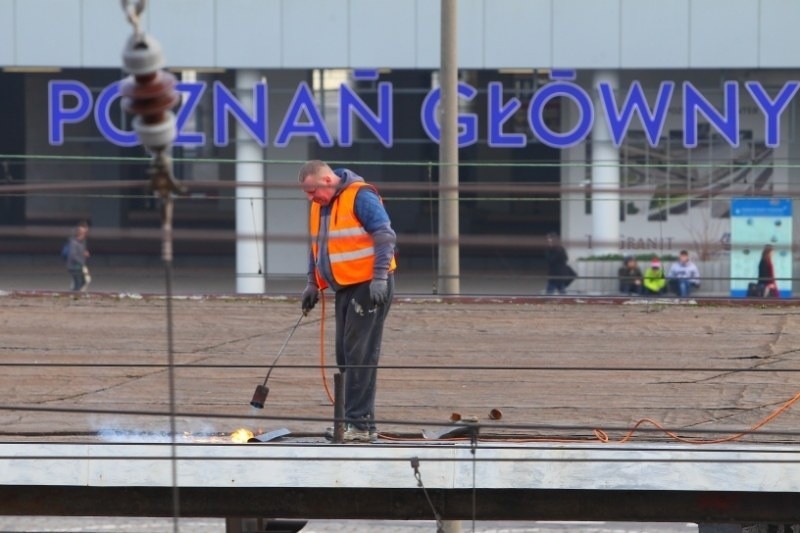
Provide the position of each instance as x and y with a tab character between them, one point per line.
405	367
594	435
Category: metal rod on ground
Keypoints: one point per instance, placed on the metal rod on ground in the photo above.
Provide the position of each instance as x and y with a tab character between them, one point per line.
338	407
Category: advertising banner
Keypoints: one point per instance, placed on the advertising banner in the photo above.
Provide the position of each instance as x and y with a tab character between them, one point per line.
756	223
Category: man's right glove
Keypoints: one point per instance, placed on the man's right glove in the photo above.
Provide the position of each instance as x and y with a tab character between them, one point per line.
310	297
379	291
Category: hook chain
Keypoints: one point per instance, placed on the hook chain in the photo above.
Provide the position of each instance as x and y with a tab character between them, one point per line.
133	10
418	476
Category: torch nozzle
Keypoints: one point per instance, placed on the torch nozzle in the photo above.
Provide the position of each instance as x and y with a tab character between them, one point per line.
260	396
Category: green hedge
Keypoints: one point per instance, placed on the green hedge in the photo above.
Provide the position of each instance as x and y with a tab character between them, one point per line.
619	257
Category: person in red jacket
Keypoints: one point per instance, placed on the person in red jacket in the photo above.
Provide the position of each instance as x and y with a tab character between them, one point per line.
767	283
352	252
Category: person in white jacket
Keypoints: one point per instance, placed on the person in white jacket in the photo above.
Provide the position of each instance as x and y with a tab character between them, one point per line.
683	276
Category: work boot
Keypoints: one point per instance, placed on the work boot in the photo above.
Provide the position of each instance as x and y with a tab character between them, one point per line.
354	434
373	434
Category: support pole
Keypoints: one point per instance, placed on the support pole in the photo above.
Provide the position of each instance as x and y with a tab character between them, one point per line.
338	408
605	179
250	275
449	267
451	526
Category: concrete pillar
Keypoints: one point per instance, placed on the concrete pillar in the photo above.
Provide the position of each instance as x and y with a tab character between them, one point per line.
249	197
287	207
575	231
605	177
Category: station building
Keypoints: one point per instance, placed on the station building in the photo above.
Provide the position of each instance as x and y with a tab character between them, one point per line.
625	125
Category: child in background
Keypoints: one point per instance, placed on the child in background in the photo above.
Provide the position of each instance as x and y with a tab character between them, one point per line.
76	253
654	281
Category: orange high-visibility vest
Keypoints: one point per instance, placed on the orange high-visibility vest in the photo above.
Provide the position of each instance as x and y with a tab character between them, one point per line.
350	247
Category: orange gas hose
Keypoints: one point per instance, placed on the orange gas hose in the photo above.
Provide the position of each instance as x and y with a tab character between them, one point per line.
322	348
602	436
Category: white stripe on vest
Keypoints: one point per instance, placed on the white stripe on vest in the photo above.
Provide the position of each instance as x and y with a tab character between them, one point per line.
347	256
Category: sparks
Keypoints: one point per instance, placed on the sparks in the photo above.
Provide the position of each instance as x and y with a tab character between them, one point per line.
241	435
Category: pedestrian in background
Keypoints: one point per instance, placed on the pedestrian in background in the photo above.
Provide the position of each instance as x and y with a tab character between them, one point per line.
352	252
654	281
559	273
630	276
683	275
767	284
76	254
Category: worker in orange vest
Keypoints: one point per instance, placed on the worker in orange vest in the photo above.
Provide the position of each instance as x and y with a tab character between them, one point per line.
352	252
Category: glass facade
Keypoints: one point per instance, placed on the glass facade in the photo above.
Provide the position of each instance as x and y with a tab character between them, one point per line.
405	171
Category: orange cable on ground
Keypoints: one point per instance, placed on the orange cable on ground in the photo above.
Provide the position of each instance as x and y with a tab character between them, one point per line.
322	348
602	436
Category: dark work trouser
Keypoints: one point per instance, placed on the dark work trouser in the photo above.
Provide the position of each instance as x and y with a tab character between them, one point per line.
359	330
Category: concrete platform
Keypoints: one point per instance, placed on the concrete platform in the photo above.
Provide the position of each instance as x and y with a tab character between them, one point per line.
510	481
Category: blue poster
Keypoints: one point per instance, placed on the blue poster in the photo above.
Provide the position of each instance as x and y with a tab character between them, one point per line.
756	223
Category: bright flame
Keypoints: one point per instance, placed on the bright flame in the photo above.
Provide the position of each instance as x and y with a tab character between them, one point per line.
241	435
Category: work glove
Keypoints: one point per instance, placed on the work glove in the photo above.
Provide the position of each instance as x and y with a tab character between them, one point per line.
310	297
379	291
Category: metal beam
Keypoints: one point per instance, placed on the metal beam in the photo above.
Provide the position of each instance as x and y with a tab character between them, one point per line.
406	504
512	481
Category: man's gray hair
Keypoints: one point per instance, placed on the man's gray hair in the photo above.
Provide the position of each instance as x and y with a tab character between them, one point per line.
312	168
